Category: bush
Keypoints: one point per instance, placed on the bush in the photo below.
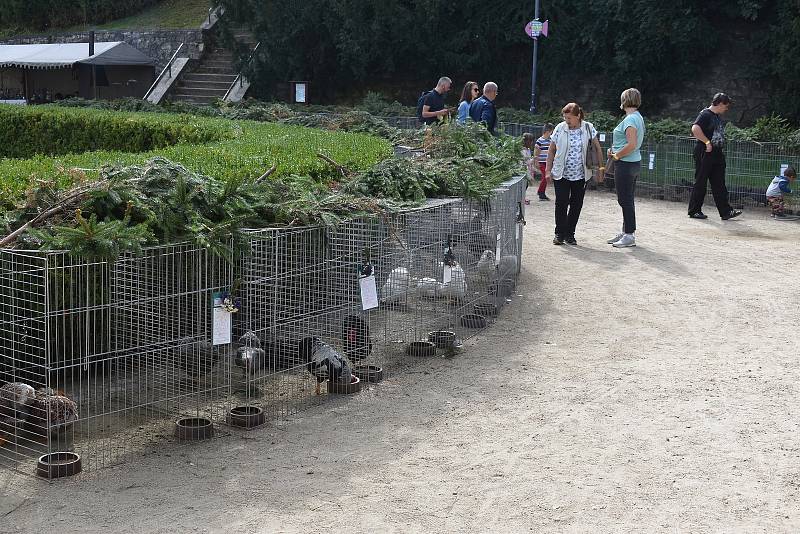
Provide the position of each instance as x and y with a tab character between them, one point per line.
221	148
30	131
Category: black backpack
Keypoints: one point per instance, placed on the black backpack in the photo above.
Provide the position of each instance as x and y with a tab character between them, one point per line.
421	104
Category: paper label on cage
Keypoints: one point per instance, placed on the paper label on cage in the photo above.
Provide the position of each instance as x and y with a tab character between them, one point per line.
222	325
652	163
497	251
784	166
602	138
448	274
369	292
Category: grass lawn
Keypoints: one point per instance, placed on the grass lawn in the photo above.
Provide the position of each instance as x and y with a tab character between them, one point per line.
167	15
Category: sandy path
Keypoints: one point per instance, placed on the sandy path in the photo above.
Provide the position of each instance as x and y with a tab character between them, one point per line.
640	390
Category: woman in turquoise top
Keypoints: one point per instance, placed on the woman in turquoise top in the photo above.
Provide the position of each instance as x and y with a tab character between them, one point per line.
628	137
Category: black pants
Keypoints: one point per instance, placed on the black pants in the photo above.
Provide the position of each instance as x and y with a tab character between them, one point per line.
569	194
709	167
625	175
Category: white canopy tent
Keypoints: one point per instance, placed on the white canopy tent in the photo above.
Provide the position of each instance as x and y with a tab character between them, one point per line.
44	72
54	56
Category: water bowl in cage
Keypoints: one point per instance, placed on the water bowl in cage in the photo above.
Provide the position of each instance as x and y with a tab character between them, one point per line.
473	320
443	339
421	348
247	416
368	373
58	464
193	428
486	309
353	387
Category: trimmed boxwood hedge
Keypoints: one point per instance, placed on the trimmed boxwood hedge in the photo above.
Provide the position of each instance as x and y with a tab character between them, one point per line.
61	139
26	132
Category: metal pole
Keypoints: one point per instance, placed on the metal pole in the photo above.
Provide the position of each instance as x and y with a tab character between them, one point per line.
535	60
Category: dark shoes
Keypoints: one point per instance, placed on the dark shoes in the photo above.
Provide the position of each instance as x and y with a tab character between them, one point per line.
731	214
558	240
543	197
698	215
570	241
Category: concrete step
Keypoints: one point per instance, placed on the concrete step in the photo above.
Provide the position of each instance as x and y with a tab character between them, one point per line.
216	63
194	84
214	78
214	70
199	91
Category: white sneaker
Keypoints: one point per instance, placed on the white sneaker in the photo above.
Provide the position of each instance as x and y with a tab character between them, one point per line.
615	239
627	240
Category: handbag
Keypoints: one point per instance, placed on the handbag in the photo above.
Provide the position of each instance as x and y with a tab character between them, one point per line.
609	169
592	161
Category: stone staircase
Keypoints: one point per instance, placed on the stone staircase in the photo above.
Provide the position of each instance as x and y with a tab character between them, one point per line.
213	76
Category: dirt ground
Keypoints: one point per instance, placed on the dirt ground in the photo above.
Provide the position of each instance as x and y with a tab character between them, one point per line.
654	389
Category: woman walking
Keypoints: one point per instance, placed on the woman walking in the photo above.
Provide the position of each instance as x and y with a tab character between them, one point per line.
470	92
625	145
566	165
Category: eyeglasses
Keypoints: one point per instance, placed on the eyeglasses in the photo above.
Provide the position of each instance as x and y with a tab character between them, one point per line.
476	90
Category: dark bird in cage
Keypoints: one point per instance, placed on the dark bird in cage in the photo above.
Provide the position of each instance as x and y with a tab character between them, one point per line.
357	341
250	356
15	406
324	362
53	411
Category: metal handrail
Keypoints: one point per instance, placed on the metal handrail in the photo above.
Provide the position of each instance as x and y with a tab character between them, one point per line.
167	69
239	78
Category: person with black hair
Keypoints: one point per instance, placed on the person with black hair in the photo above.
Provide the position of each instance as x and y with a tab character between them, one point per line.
709	159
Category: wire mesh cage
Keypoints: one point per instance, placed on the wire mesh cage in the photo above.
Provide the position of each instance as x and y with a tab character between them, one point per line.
104	358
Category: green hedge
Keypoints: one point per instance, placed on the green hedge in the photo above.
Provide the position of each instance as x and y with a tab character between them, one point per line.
30	131
220	148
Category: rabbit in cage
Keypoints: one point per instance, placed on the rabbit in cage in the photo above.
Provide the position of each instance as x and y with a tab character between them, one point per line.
16	399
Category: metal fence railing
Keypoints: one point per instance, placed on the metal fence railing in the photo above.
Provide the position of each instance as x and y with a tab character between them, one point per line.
668	166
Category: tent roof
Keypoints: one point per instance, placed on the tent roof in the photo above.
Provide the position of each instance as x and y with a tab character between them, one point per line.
53	56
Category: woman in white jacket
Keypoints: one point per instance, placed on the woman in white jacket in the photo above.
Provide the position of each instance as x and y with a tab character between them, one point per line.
566	166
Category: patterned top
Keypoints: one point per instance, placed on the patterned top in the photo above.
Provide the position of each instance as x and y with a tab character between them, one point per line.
574	169
544	146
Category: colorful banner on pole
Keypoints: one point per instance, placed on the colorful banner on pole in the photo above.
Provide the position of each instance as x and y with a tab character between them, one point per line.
536	27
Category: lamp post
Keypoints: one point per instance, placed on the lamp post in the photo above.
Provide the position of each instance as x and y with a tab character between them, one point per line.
535	59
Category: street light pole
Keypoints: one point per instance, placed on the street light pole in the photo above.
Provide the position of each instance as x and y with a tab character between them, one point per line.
535	60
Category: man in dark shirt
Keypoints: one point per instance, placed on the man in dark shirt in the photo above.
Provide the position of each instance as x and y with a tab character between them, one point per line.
482	109
433	108
709	160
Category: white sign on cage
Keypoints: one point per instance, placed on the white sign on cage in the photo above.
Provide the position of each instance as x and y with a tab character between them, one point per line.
221	327
652	163
784	166
369	290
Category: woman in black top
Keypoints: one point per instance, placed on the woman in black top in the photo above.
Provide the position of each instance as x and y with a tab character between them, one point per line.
709	160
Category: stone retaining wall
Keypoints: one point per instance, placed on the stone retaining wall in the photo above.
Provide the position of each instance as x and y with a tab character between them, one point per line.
157	44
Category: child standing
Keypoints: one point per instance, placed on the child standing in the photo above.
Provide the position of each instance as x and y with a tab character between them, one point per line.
540	155
527	157
776	190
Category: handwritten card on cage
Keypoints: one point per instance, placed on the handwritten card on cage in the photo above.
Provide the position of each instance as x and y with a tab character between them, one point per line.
369	288
222	321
